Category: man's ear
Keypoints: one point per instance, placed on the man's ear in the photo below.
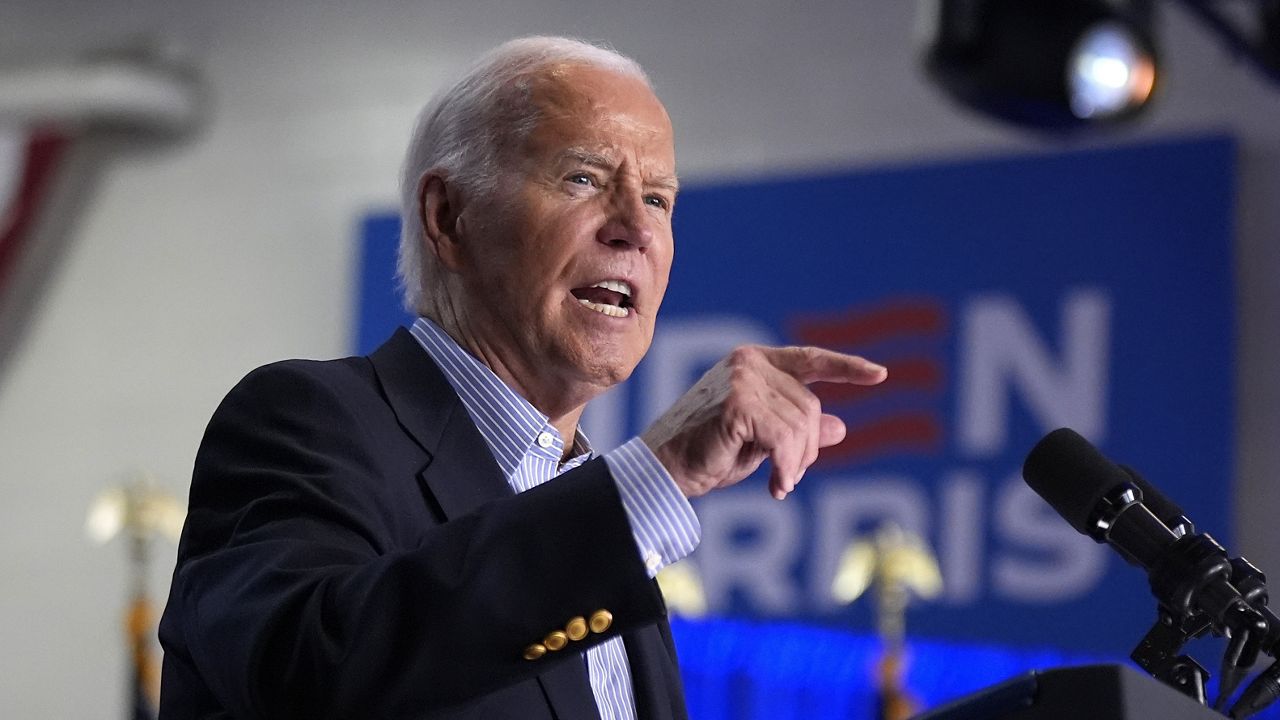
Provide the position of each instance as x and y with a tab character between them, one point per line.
441	206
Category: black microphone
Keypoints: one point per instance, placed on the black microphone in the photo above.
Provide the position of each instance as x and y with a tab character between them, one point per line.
1189	573
1096	497
1161	506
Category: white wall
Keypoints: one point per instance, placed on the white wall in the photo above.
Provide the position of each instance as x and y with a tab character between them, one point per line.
193	266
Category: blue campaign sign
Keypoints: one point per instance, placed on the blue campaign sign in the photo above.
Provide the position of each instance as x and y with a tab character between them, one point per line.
1089	289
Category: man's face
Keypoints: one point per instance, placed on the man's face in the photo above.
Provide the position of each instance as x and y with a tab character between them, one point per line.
566	265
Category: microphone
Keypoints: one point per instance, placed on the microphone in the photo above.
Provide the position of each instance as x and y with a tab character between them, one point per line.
1097	497
1161	506
1189	573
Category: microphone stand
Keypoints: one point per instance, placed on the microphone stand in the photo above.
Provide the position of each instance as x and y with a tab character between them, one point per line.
1187	579
1248	580
1158	654
1195	583
1265	688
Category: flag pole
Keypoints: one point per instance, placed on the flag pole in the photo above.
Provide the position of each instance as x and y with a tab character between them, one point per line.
141	512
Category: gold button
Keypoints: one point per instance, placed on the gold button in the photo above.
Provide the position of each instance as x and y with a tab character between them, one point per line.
576	629
601	620
534	651
555	640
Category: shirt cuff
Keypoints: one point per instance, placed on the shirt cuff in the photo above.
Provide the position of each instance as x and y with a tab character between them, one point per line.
662	520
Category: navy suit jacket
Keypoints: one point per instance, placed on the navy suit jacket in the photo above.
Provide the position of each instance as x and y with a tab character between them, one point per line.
352	550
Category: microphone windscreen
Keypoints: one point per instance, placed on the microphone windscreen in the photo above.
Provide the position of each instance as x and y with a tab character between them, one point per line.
1071	475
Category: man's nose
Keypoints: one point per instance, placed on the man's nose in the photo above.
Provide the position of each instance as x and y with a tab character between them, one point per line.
630	222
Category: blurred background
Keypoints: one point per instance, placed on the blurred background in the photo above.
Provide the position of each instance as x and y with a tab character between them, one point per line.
834	193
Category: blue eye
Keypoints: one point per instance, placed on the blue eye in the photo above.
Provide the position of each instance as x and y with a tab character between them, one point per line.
656	201
581	179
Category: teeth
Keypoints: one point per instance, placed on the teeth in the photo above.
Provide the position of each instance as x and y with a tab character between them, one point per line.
615	285
609	310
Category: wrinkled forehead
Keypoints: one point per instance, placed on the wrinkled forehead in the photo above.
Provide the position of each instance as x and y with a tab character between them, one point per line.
597	107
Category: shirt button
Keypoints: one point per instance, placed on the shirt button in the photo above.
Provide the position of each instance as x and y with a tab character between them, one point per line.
545	440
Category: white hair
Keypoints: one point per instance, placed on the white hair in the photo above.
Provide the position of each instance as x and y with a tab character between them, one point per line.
464	130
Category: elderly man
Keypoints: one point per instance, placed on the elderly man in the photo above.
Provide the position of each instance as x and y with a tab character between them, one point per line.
423	532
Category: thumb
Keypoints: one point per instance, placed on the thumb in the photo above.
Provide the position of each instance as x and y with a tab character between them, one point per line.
831	430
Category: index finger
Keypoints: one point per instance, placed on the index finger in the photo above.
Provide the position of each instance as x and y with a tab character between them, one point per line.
815	364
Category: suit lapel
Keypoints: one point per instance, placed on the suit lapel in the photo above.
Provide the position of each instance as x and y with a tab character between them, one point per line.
461	475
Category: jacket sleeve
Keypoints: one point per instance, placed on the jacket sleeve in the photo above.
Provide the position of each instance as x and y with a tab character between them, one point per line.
297	595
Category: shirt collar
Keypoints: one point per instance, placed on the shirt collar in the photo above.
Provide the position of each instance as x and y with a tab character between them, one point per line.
509	423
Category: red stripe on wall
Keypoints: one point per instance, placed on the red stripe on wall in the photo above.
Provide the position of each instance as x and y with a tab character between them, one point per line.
863	327
918	432
905	375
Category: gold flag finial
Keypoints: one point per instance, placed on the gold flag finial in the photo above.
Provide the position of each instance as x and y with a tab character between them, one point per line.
141	511
137	507
896	565
893	560
682	589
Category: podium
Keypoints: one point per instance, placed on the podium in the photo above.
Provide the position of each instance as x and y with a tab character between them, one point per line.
1096	692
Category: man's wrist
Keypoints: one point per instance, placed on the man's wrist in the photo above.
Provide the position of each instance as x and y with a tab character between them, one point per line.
662	520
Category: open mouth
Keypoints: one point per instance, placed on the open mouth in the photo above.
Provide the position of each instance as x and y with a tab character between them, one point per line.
610	297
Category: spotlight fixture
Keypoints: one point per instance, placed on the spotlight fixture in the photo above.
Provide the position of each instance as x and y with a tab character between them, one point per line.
1050	64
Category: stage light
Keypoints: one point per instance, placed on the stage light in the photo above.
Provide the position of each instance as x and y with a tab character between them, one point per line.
1054	64
1110	72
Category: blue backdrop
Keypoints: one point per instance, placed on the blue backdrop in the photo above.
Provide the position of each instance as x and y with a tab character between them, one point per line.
1091	289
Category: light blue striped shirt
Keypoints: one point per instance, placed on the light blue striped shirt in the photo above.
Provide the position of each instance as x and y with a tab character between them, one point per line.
528	450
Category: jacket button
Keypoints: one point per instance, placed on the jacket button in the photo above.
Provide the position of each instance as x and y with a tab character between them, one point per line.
601	620
534	651
555	640
576	629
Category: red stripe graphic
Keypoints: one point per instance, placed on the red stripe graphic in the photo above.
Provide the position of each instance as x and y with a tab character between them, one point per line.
915	431
908	316
905	375
893	428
